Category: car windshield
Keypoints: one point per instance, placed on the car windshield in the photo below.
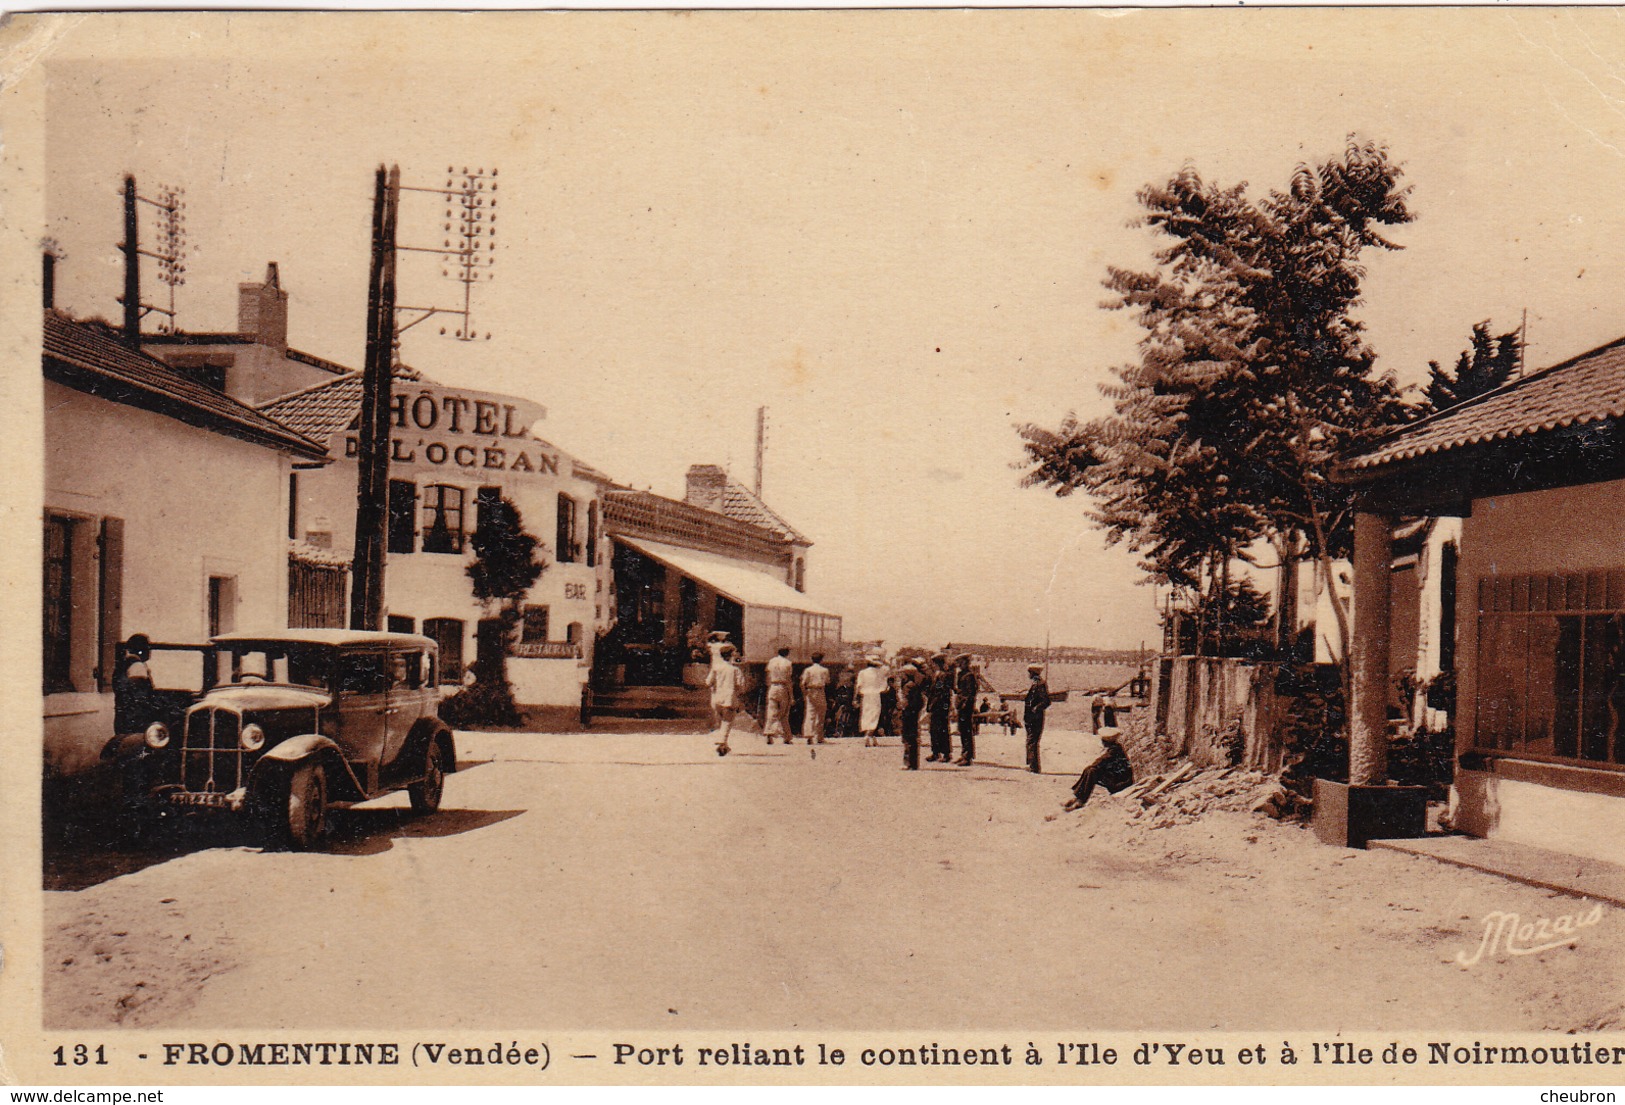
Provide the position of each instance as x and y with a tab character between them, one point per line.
247	663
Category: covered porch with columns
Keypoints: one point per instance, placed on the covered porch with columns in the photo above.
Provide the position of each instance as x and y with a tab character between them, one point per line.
1535	470
1369	806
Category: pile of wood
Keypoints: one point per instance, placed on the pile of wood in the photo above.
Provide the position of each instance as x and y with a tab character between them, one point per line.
1185	792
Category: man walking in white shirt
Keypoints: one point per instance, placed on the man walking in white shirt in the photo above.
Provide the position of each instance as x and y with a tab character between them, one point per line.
814	698
780	677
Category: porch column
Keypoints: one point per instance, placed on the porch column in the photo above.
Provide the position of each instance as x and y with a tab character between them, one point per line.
1368	650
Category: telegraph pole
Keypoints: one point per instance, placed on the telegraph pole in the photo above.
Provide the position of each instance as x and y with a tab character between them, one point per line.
132	266
171	256
467	251
372	467
761	446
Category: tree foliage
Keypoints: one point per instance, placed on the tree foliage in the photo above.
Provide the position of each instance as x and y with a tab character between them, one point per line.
1252	377
505	564
1486	364
1234	622
504	568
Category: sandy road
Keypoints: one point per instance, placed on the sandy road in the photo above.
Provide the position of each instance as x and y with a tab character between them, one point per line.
640	882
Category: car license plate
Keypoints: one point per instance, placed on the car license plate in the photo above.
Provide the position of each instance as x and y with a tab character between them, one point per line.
193	798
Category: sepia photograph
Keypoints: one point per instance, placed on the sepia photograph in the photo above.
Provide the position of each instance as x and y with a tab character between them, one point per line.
816	546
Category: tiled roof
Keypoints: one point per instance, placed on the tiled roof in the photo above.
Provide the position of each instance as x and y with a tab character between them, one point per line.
90	357
302	553
318	362
323	409
1586	389
631	512
741	505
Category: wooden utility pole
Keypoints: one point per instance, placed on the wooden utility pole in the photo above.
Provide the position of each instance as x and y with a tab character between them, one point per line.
372	468
132	267
761	446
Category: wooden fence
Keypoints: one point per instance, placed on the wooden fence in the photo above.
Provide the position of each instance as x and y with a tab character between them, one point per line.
316	595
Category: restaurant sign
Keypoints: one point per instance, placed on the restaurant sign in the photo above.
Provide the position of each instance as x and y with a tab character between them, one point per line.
546	650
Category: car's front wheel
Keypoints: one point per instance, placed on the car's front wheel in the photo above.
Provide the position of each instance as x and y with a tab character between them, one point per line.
306	806
426	793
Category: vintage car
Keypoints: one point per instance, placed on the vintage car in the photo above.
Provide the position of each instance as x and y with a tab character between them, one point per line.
284	726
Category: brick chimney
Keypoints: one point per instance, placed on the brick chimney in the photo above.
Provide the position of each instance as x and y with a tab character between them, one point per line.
705	486
262	310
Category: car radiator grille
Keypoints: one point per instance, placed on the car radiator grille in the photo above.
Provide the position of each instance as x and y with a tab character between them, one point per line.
212	759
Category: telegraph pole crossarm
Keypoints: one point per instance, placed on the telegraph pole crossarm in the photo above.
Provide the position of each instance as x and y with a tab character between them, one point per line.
469	225
170	256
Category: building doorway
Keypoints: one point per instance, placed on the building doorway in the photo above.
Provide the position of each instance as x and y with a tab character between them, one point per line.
222	605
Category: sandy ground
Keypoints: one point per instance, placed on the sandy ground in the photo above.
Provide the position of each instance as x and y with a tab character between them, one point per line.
639	881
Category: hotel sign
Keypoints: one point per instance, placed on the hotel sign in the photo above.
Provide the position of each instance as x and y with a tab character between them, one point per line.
456	428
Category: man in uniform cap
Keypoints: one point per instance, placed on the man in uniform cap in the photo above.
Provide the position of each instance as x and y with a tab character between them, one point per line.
1032	714
966	685
939	698
910	698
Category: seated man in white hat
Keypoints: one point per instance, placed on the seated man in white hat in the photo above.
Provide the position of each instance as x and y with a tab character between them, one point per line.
1110	769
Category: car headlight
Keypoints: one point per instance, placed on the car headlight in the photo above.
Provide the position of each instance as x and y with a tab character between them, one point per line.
253	737
157	735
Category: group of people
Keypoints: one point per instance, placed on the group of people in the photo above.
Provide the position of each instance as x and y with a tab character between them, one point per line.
874	703
941	693
871	703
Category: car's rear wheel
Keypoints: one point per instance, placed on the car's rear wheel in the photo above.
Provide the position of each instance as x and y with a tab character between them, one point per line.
426	793
306	807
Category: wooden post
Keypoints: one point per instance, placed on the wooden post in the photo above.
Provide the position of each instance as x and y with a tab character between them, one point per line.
132	267
372	452
1368	660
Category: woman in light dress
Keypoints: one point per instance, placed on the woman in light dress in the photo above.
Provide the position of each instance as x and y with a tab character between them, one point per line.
871	686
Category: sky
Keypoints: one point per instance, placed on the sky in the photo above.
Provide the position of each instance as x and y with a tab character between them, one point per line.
889	228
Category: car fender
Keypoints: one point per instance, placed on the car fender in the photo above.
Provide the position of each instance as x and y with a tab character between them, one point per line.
129	768
302	747
427	730
125	748
280	760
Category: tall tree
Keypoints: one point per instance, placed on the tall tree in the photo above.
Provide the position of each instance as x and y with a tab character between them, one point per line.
1253	375
1484	365
504	568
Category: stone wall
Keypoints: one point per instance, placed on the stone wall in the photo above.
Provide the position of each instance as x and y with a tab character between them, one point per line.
1218	712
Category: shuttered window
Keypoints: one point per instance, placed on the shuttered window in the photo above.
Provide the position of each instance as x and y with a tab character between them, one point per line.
566	549
58	604
403	509
111	601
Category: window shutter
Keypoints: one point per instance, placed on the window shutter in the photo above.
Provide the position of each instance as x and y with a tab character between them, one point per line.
111	600
403	508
